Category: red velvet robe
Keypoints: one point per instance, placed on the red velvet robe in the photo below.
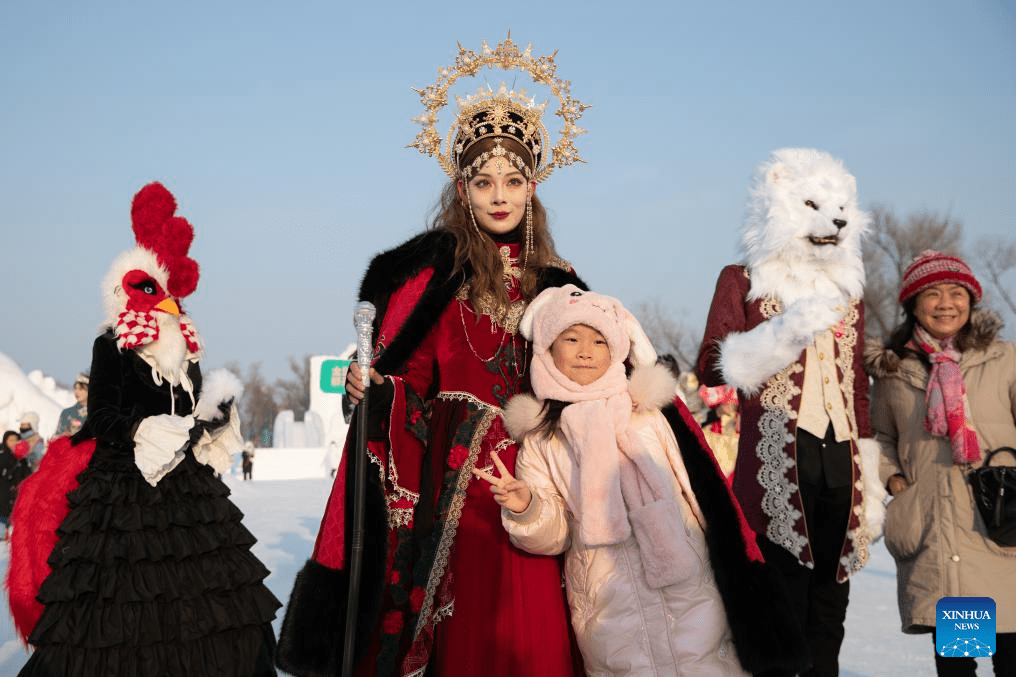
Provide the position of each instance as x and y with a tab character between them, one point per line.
453	585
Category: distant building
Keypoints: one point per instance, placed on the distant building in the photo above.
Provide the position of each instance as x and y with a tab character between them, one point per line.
324	425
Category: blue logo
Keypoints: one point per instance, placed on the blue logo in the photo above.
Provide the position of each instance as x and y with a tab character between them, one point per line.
965	626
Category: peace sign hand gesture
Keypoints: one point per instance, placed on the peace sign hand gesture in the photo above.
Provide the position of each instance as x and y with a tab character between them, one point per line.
509	492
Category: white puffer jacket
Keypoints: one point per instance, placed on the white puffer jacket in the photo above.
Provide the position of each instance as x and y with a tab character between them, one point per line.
623	626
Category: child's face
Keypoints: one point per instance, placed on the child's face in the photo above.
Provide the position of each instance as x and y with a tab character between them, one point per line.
581	353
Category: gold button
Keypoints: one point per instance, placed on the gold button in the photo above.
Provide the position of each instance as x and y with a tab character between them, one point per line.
828	406
821	356
826	379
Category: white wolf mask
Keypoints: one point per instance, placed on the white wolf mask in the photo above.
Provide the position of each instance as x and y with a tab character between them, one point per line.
802	245
803	230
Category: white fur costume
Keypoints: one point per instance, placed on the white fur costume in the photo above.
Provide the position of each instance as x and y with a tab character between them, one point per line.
798	293
813	282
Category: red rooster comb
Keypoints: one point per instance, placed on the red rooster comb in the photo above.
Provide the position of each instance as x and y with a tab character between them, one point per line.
168	237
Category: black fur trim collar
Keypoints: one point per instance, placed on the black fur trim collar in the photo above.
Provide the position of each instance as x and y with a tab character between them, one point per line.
391	269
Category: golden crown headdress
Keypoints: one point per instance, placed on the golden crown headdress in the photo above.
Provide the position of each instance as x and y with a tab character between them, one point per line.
500	113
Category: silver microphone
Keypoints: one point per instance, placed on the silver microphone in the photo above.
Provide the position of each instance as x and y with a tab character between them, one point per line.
363	320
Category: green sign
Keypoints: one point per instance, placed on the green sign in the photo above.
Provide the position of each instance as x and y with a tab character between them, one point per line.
333	375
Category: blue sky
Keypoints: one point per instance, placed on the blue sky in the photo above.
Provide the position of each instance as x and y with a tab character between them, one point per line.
281	129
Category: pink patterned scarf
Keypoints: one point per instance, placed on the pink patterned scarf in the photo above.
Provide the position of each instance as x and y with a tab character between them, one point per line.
948	410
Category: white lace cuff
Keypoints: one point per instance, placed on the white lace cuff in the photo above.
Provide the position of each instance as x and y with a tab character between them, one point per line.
217	449
159	443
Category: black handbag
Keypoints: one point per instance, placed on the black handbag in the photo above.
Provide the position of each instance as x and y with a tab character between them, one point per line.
994	490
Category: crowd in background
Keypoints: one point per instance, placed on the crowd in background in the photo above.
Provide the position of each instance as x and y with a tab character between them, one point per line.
24	448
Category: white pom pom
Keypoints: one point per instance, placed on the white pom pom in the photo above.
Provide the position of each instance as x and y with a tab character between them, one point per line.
218	386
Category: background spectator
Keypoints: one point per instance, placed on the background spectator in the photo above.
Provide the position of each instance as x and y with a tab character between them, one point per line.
722	424
248	460
12	471
944	394
73	417
31	447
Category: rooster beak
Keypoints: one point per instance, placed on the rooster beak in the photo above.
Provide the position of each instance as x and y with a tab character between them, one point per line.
168	305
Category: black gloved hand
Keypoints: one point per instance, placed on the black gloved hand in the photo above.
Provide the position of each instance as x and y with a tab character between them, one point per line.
226	407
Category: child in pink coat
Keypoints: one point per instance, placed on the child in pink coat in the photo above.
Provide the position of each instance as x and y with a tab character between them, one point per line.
662	573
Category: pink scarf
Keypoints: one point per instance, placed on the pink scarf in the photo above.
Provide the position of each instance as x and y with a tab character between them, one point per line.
621	492
596	423
948	410
615	475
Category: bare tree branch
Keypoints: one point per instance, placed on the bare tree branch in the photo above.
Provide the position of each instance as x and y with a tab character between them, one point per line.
257	405
997	259
891	246
294	392
669	335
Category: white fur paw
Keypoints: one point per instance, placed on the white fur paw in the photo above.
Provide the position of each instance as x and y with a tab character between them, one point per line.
812	315
872	489
749	359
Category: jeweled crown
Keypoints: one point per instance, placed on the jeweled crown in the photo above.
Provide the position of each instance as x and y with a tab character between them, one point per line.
500	113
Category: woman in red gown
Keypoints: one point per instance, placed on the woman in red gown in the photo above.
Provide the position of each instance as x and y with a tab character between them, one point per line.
444	592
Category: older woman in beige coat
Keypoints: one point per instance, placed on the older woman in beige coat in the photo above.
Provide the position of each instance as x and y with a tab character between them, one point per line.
944	395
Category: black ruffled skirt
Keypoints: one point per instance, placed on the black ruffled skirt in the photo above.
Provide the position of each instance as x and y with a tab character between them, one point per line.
153	581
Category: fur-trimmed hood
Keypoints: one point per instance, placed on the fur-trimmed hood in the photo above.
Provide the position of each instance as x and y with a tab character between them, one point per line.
881	362
650	387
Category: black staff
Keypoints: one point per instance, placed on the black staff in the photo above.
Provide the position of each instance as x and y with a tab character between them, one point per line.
363	319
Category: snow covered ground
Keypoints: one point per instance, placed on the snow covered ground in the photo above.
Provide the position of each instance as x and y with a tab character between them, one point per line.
284	515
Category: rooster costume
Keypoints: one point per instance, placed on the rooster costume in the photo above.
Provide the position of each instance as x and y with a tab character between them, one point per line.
129	558
443	592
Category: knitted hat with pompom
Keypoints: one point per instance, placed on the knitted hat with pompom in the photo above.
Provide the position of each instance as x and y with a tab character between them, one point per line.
931	268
